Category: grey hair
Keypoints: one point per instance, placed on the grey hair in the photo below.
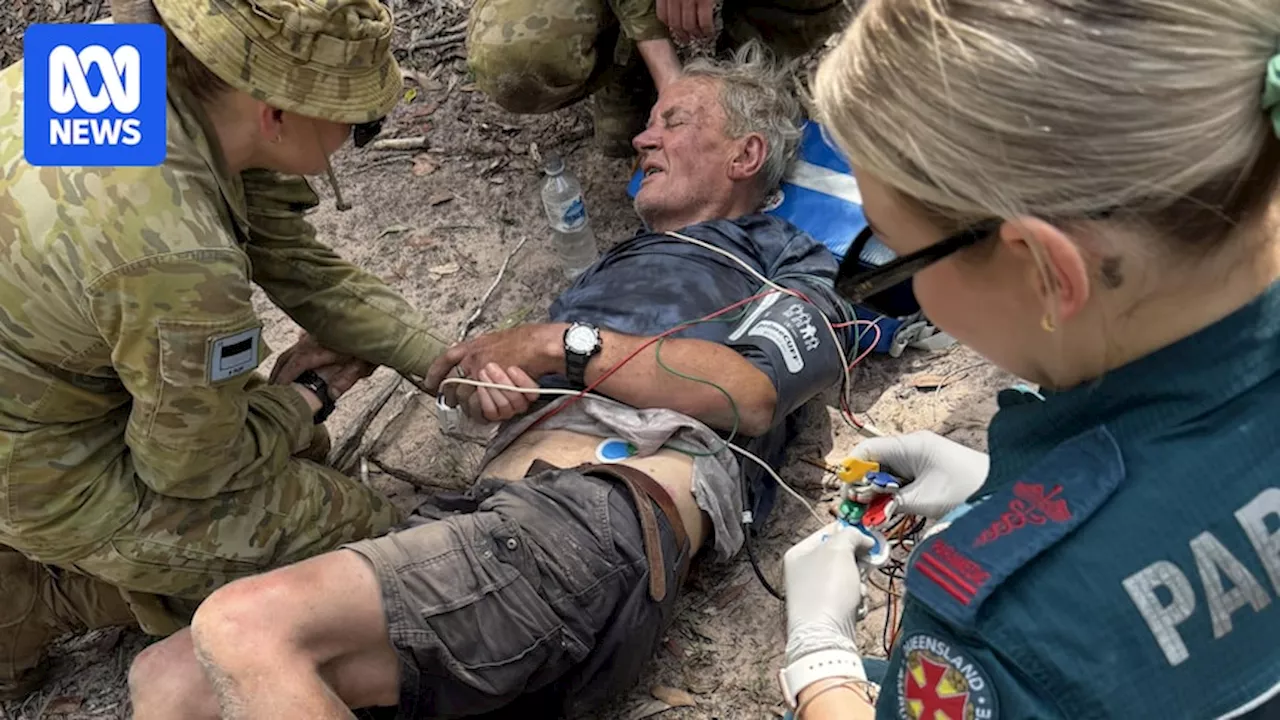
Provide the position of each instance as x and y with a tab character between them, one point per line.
1145	111
754	92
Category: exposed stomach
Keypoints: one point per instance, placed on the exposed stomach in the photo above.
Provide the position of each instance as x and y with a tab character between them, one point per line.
566	448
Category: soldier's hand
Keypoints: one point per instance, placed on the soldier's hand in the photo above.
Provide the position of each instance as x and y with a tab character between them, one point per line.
688	19
341	377
536	349
308	354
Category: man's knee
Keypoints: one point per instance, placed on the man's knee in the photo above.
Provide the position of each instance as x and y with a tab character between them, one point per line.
166	681
262	607
533	57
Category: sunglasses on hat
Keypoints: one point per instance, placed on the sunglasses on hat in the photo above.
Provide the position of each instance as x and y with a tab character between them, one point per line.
363	133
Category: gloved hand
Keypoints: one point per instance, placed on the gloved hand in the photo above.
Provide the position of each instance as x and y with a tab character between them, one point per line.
824	590
938	474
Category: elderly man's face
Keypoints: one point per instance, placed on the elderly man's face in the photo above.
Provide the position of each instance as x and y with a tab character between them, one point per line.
684	154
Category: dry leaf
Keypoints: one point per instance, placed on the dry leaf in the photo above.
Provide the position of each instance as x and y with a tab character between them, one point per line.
469	87
64	705
928	381
394	229
446	269
673	696
422	165
421	79
439	199
649	709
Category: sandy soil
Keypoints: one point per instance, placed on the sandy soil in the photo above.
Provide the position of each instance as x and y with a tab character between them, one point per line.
438	225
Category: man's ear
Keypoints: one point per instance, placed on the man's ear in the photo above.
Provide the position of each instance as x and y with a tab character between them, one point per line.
746	164
1056	267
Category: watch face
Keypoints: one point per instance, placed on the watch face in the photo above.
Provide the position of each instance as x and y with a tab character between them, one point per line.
581	339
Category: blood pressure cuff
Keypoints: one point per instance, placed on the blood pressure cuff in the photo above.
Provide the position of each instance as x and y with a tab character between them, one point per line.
788	340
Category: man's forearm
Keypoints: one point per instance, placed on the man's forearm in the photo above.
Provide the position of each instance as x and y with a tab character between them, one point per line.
661	60
642	382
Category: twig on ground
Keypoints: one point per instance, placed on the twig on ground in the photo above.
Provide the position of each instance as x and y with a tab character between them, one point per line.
437	41
343	456
484	299
407	143
400	22
388	160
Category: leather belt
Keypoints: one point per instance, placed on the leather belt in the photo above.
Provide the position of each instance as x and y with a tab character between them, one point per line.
643	490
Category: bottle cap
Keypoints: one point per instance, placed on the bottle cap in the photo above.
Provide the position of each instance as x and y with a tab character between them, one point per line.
553	165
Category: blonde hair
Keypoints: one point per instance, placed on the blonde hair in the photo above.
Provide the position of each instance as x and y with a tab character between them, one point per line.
1148	111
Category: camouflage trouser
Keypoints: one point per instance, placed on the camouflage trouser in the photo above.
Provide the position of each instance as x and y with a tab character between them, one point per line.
536	56
175	552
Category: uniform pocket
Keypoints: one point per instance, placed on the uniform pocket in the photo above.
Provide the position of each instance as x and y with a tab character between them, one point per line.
174	569
478	598
204	354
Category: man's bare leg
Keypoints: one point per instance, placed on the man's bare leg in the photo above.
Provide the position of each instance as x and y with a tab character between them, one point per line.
308	640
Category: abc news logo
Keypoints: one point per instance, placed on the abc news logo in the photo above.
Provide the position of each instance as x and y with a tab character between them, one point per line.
69	89
95	95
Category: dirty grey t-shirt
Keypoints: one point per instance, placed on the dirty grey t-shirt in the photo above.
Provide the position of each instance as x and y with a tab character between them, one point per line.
653	281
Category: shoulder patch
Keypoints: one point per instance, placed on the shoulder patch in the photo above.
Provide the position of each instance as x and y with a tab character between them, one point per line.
233	355
955	571
936	680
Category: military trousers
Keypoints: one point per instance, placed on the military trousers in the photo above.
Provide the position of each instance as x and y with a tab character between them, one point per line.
536	56
153	572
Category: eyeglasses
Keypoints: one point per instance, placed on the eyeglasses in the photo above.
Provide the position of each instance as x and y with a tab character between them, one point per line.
859	284
363	133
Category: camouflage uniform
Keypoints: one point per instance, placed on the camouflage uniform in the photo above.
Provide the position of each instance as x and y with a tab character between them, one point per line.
143	461
535	56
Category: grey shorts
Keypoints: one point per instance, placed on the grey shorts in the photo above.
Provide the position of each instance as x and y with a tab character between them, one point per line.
539	591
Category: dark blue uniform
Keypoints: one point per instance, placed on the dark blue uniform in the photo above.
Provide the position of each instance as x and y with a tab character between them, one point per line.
1122	559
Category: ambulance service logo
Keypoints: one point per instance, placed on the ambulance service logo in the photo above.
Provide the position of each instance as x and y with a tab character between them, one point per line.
94	95
937	683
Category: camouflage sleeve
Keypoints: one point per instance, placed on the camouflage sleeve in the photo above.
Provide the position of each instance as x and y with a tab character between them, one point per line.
184	341
346	308
639	19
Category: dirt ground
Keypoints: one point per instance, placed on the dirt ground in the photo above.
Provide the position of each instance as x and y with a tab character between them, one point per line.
438	225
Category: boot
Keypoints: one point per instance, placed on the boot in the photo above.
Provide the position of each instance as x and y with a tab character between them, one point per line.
25	630
40	604
620	109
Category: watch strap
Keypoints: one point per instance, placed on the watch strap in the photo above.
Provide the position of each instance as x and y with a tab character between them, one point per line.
312	381
575	366
818	666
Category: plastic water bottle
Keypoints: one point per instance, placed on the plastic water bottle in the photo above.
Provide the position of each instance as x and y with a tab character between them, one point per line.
571	235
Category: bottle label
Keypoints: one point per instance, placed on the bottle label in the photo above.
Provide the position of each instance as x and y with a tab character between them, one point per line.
570	216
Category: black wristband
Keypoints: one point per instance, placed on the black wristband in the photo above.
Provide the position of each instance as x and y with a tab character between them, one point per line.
312	381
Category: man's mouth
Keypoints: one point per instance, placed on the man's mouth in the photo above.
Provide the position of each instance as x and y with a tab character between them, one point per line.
650	172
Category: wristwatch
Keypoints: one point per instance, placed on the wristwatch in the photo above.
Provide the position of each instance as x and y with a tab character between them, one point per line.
312	381
581	343
818	666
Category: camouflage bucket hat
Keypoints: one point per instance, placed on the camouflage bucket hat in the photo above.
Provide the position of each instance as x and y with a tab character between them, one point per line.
327	59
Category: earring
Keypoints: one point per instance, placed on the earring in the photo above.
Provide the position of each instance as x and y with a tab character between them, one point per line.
276	139
1046	322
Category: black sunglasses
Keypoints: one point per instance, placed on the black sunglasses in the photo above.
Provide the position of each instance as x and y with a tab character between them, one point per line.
363	133
861	285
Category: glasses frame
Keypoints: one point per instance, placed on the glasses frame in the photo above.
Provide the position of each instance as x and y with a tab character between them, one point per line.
856	285
363	133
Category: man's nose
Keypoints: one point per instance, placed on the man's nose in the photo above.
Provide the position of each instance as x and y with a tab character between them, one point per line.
647	140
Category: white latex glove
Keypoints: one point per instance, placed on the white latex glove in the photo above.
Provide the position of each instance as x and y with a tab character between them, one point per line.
824	590
937	474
